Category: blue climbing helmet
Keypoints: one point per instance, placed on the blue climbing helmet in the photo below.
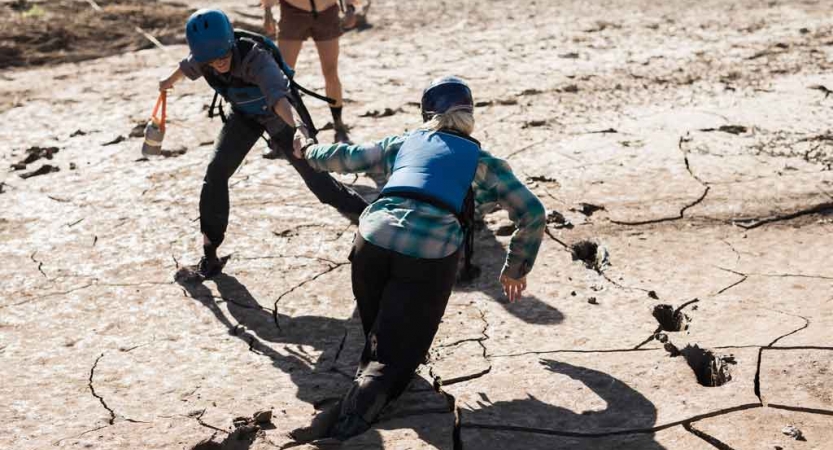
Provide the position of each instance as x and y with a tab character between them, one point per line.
445	95
209	34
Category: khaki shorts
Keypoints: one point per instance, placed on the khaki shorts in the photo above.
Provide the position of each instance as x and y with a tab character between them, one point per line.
299	25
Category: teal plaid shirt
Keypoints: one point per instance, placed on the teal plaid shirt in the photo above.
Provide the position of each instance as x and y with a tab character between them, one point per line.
422	230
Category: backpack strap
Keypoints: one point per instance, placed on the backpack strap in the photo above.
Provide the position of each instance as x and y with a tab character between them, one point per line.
470	271
219	106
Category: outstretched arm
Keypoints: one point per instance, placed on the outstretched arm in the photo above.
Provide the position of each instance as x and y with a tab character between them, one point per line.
169	81
495	182
375	157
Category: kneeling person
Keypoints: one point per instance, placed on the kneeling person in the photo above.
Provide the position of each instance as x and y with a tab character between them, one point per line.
406	251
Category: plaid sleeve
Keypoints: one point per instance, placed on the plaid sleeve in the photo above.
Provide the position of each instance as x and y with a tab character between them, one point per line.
495	182
377	157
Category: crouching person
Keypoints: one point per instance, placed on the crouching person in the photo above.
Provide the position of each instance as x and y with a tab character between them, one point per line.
406	251
247	75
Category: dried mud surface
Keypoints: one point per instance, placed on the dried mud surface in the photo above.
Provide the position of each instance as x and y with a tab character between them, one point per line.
688	143
40	32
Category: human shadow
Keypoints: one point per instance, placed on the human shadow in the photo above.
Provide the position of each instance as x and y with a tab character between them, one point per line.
489	256
257	326
625	423
318	381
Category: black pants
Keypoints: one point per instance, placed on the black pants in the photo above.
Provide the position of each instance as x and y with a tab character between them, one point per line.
401	302
239	134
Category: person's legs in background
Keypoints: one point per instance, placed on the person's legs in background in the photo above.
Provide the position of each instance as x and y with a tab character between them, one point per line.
328	52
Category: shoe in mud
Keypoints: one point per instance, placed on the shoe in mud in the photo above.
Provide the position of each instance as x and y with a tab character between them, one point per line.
341	136
349	425
273	153
352	217
206	269
321	427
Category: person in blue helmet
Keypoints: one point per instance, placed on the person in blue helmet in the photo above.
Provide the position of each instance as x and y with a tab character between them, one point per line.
409	241
250	79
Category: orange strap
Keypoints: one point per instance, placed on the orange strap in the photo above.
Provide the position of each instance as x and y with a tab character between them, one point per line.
162	100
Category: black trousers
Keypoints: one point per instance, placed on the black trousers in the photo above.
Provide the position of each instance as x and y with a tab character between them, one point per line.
239	134
401	302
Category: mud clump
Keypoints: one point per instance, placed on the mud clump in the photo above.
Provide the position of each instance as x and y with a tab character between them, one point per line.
592	254
711	370
43	170
376	114
114	141
731	129
35	153
557	220
794	433
588	209
36	33
668	318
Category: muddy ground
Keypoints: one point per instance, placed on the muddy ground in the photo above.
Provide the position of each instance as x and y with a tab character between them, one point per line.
689	143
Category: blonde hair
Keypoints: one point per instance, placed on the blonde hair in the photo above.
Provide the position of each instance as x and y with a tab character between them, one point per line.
461	121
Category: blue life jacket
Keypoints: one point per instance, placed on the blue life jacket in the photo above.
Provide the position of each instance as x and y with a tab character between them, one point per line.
244	97
435	166
247	97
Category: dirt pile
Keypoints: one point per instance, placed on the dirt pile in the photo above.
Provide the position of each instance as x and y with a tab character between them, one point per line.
39	32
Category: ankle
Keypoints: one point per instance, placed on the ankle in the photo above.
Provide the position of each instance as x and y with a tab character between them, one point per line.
336	111
210	251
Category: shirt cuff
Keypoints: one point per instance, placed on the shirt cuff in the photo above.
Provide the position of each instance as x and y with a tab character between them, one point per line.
516	271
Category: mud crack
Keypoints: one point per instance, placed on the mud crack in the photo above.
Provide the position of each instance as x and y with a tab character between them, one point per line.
757	382
39	263
520	150
51	294
340	348
100	398
714	442
293	288
651	430
751	223
681	214
480	341
198	417
745	276
451	402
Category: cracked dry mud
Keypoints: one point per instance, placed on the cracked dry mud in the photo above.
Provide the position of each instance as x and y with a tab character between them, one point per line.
699	130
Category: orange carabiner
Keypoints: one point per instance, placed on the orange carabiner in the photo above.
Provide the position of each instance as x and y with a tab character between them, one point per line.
162	100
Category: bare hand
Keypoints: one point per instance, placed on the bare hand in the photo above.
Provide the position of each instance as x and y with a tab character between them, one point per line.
166	83
300	142
348	22
269	25
513	288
